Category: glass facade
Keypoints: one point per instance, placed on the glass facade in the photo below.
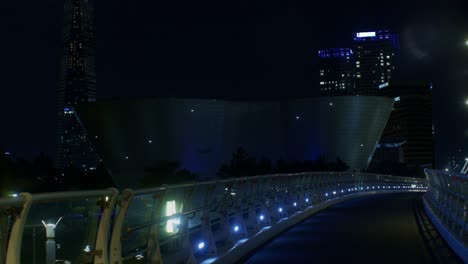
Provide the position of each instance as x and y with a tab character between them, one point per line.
375	58
336	71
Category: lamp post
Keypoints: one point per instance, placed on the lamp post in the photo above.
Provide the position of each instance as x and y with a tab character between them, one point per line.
50	242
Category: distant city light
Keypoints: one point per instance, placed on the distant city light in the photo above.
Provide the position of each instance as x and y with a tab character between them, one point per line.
365	34
150	141
466	101
298	117
280	210
14	195
236	228
261	217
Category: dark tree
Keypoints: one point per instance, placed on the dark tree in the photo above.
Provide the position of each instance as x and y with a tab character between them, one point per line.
166	172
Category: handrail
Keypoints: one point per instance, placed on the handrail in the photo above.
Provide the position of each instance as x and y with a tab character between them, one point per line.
447	204
191	222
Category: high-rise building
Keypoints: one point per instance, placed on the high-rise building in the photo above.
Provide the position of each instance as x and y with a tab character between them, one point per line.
77	84
375	58
336	67
411	119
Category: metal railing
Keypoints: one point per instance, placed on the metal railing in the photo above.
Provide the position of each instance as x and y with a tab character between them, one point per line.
172	224
447	198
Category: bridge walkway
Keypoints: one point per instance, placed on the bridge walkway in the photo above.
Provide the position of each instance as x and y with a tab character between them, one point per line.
387	228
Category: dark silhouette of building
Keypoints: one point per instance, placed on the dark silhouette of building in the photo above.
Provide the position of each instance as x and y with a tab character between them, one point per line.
77	85
411	119
134	136
336	67
375	58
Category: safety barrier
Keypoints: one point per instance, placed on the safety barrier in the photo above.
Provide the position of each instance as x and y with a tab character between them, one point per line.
190	223
447	205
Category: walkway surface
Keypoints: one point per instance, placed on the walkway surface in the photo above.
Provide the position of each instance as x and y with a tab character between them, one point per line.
390	228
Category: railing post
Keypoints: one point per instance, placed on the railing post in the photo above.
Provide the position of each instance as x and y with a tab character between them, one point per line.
116	236
153	252
16	235
187	206
101	253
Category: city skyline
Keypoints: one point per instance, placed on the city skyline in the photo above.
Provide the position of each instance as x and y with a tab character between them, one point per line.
147	62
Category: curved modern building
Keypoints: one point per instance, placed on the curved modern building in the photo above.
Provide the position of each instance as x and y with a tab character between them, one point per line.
202	134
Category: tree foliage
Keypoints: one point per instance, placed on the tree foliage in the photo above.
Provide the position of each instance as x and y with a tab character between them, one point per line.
242	164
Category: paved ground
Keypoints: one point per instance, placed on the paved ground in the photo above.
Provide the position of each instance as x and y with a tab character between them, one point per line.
390	228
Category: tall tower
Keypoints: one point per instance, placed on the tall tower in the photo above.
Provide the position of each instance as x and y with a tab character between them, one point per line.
375	58
336	67
77	84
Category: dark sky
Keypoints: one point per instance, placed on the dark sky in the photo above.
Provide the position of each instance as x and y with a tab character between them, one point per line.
223	49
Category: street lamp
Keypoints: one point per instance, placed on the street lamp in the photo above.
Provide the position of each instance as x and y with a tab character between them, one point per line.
50	243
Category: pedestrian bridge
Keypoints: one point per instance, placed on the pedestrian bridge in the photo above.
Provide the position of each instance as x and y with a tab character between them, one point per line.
287	218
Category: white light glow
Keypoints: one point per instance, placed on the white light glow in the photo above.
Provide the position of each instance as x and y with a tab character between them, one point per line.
201	245
307	200
87	249
171	224
365	34
294	204
236	228
261	217
280	209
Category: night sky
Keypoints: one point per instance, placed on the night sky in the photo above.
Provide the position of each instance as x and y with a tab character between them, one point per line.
240	49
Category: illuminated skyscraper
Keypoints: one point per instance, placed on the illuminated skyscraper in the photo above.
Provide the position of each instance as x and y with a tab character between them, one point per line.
77	84
375	58
336	71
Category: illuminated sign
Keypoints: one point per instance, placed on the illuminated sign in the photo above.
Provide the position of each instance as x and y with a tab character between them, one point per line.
365	34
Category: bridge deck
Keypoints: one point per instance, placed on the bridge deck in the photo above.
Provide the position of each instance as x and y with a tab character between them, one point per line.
383	228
